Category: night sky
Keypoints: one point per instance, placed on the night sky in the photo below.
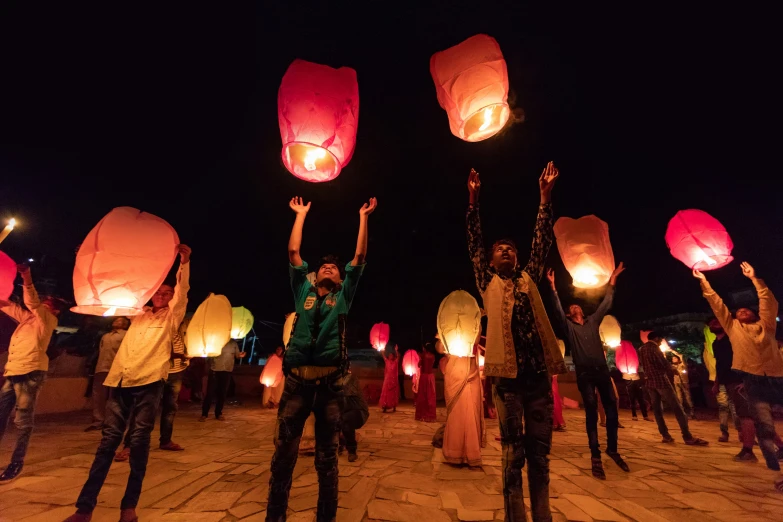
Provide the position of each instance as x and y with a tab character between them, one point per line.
173	110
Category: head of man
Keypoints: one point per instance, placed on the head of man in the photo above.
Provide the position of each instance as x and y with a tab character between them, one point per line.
504	256
55	306
746	316
120	323
655	337
162	297
676	360
329	273
714	326
576	314
279	351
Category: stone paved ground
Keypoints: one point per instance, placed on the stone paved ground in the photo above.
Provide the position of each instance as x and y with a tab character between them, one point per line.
223	474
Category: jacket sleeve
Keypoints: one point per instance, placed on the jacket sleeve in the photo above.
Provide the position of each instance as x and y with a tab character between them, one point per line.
718	308
543	235
768	305
478	255
179	303
605	305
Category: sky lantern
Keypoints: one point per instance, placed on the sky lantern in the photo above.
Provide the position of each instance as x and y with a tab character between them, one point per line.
288	328
7	230
644	335
410	363
241	322
210	328
626	359
699	240
273	372
584	246
7	276
664	346
379	336
459	323
122	262
471	81
609	330
318	112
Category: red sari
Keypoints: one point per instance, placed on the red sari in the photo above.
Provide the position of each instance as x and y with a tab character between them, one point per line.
390	394
425	399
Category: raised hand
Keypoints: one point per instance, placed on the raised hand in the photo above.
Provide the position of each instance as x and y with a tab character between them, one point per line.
184	252
22	268
474	185
617	271
367	208
550	275
298	206
747	270
547	181
698	275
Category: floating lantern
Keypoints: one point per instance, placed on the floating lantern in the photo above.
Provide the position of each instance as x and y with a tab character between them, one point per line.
210	328
471	81
273	372
318	112
699	240
609	330
241	322
122	262
664	346
644	335
379	336
410	363
7	230
585	249
459	323
626	359
288	328
561	345
7	276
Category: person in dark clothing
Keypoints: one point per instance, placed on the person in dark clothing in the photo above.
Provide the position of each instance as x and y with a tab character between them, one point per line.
633	383
725	379
355	414
592	372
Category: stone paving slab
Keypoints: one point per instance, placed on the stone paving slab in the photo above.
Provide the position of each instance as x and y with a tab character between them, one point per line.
222	475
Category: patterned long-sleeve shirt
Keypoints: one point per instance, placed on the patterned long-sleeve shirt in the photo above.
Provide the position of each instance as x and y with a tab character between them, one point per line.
656	368
527	342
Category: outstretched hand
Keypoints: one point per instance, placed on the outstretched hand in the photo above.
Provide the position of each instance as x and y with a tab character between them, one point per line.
617	271
698	275
367	208
184	252
747	270
298	206
547	181
550	275
22	268
474	186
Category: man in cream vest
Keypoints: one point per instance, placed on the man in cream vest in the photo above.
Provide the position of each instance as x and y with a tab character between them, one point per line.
521	351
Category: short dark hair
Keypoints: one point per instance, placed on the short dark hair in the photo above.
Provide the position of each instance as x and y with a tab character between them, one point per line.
331	259
655	335
504	241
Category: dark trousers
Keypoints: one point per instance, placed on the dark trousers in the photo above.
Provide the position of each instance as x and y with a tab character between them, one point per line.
217	387
590	379
351	421
168	409
20	391
324	398
666	394
401	381
636	394
139	403
763	393
525	408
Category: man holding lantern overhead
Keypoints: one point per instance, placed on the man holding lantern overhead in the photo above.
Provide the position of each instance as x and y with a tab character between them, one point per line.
592	373
521	350
315	365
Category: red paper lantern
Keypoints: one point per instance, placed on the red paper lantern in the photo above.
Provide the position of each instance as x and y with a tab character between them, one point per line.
379	336
699	240
318	112
7	276
410	363
122	262
471	81
626	359
585	249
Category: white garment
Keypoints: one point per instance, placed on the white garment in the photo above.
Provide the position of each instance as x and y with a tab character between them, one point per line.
27	350
110	344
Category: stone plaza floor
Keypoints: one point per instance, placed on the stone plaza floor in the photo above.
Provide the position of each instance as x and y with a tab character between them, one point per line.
223	473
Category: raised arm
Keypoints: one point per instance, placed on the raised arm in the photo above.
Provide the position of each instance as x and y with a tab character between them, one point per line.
295	241
478	255
361	241
179	303
720	310
561	316
543	234
768	305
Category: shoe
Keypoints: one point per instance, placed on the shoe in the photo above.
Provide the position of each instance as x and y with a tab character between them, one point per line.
340	450
779	454
559	428
724	437
79	517
602	424
93	427
619	425
695	441
692	416
202	419
171	446
13	470
668	439
598	468
619	461
746	455
122	456
648	419
220	418
635	418
353	457
128	515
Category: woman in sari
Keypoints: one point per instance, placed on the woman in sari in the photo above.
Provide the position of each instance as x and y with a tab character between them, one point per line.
464	433
390	394
425	398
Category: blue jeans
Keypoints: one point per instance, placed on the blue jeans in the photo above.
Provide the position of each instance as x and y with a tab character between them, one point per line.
20	391
588	380
525	407
138	403
324	398
666	395
168	409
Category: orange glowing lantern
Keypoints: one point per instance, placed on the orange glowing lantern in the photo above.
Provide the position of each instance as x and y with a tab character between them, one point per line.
471	81
273	372
210	328
585	249
122	262
7	276
699	240
318	112
664	346
626	359
379	336
241	322
609	330
410	363
459	323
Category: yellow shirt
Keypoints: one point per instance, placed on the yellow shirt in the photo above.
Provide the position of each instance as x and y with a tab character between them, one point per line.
27	351
110	345
144	354
754	345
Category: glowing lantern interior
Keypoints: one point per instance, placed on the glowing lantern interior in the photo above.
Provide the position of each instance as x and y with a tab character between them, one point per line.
561	345
643	335
699	240
122	262
7	276
471	82
273	371
459	323
241	322
585	249
410	363
318	113
288	328
609	330
379	336
626	359
210	328
664	346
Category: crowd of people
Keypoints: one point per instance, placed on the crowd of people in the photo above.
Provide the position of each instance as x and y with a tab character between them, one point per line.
141	363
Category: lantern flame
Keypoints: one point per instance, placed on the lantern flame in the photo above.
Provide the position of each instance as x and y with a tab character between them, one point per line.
11	223
708	259
487	119
111	311
585	277
313	154
664	346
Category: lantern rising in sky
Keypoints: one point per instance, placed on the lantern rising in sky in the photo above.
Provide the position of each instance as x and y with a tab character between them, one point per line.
699	240
7	276
318	113
609	330
379	336
410	363
471	82
241	322
585	249
7	230
626	359
210	328
122	262
459	323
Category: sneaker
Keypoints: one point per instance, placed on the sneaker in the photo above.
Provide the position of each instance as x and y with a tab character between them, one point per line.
202	419
724	437
635	418
122	456
13	470
79	517
620	425
353	457
780	454
128	515
668	439
171	446
93	427
340	450
559	428
695	441
648	419
598	468
746	455
220	418
619	461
